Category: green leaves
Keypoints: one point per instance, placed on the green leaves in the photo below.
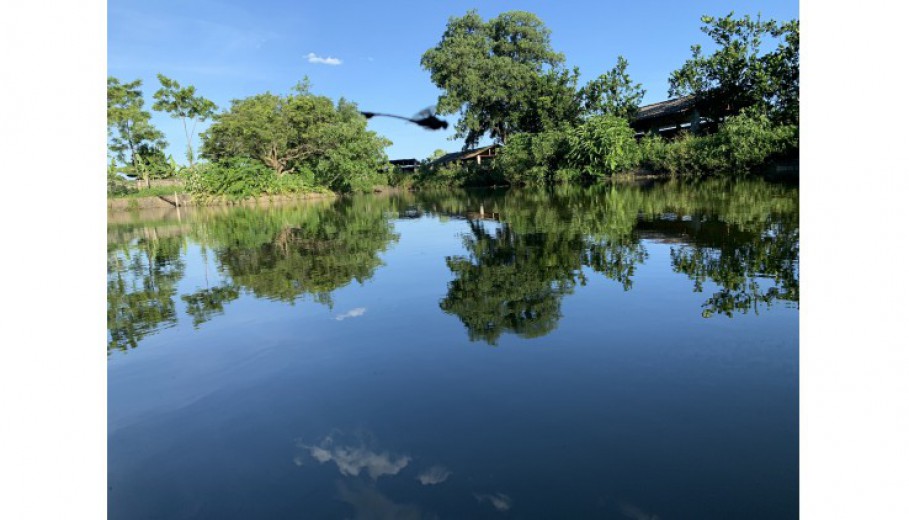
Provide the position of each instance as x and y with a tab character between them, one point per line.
299	134
183	103
502	76
603	145
740	74
129	128
613	93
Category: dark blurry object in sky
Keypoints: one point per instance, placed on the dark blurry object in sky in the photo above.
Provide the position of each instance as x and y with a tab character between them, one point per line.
425	118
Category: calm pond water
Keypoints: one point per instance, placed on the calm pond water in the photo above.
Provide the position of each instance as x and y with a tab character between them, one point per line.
624	352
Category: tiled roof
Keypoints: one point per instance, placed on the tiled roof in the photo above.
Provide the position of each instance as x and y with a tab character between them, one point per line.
664	108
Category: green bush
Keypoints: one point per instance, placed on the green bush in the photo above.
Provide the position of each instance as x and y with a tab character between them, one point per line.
746	142
534	158
743	144
459	175
398	179
117	186
603	146
238	178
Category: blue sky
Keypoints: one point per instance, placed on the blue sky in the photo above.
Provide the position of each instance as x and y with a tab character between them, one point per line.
232	50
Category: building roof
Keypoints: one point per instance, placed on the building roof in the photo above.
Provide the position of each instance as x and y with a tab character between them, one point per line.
462	155
665	108
404	162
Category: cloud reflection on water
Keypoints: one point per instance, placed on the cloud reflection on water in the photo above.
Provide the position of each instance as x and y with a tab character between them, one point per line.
434	475
353	459
353	313
369	503
500	501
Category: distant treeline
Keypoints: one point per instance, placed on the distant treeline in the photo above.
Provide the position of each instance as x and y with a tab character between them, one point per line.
504	81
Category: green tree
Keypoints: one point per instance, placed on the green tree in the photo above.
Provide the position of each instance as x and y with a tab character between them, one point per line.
740	74
299	133
183	103
436	154
603	145
613	93
500	75
129	127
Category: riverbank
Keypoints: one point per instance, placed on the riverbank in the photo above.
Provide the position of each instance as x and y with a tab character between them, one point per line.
180	200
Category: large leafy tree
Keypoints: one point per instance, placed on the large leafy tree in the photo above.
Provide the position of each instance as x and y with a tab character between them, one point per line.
183	103
131	136
500	75
298	133
613	93
741	73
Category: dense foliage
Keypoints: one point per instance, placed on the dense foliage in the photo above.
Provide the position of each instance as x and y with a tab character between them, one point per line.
132	139
739	74
743	144
496	73
603	146
506	81
299	134
613	93
239	177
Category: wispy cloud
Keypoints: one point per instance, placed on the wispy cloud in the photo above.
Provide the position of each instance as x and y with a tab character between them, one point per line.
313	58
353	313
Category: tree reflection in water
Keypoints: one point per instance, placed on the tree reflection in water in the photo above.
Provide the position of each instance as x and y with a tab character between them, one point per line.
741	235
280	253
525	250
142	276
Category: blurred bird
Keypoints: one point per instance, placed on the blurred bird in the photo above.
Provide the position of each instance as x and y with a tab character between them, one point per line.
425	118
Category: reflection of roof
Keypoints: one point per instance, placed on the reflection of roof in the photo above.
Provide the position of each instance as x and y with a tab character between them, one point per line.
463	155
665	108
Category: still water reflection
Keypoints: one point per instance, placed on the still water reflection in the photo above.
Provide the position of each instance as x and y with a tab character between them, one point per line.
315	360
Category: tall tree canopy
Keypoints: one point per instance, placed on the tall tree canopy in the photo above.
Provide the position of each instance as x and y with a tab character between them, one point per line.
131	136
298	133
613	93
499	74
183	103
741	73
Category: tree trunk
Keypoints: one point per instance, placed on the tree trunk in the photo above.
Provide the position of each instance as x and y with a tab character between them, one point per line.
189	143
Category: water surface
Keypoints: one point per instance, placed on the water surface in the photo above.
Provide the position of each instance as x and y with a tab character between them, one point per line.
624	351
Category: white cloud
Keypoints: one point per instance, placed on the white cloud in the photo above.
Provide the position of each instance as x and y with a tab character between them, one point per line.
313	58
434	475
353	313
351	460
